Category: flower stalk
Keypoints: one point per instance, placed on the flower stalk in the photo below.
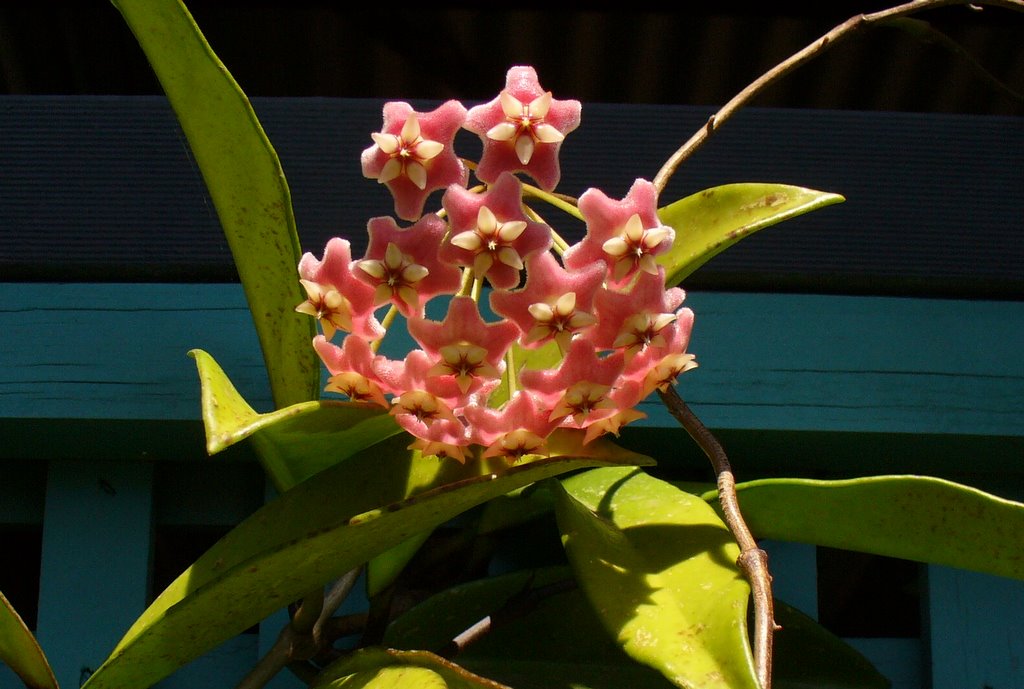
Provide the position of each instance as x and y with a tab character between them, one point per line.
752	561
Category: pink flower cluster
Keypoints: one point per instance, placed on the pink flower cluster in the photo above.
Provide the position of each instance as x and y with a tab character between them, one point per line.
603	311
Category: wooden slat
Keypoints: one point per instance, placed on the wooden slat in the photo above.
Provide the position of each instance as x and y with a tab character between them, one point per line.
102	188
770	362
794	574
975	627
95	563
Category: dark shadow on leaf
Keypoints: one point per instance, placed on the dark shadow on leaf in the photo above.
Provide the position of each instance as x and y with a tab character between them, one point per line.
665	545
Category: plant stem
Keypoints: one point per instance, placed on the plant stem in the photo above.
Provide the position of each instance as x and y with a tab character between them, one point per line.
303	637
385	323
811	51
568	204
752	561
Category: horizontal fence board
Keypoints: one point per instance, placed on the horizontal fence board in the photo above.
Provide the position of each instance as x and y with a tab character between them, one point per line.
771	362
104	188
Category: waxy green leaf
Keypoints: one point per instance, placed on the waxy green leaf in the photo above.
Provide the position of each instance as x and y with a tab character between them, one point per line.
910	517
20	651
659	567
384	569
545	633
292	443
808	656
312	534
245	181
379	668
710	221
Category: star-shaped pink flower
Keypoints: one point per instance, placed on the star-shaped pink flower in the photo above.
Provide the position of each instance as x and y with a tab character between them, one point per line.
522	129
554	303
442	438
335	271
351	368
626	234
628	317
625	397
579	387
464	326
655	367
490	232
519	428
413	154
402	264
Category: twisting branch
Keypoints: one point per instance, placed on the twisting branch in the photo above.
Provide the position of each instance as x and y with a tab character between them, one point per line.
304	636
819	46
753	561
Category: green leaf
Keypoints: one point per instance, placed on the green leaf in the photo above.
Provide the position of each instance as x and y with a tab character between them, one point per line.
379	668
20	651
808	656
710	221
292	443
312	534
245	181
383	569
545	634
515	508
910	517
659	567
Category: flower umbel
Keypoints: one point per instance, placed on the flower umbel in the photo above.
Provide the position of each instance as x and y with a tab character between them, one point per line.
577	343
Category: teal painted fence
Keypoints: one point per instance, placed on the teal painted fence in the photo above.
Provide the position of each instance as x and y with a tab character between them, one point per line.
101	446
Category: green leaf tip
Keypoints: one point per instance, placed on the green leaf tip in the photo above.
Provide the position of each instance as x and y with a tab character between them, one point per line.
710	221
245	181
910	517
292	443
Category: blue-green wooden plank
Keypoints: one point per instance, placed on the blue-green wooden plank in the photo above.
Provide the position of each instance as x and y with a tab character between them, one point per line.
95	563
806	362
794	568
975	630
774	362
119	350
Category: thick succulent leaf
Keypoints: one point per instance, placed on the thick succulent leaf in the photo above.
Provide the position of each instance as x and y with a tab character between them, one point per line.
659	567
245	181
808	656
383	569
910	517
312	534
516	508
380	668
546	634
292	443
20	651
710	221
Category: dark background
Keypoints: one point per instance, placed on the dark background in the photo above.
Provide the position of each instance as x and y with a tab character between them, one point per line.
700	56
925	140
